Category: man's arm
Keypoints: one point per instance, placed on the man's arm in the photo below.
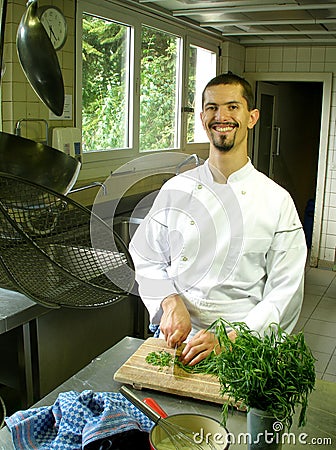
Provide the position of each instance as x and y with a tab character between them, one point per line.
285	267
283	292
175	322
150	252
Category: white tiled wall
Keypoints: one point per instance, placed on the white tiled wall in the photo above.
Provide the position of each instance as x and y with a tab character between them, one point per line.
233	58
290	59
18	98
308	59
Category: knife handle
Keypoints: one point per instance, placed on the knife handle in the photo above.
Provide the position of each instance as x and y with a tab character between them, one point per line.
155	406
149	412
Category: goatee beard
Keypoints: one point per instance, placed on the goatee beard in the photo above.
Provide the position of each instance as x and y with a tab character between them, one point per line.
225	147
222	145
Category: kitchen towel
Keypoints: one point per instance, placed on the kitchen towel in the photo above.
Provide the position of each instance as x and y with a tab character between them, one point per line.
75	421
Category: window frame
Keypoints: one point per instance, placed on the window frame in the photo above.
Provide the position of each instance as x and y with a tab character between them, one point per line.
179	65
101	163
194	147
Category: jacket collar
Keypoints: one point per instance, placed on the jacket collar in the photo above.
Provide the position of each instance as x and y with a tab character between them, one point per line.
237	176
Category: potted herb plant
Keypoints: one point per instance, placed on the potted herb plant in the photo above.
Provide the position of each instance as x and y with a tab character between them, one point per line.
271	375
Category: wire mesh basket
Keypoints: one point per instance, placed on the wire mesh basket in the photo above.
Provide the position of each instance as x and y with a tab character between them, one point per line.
2	412
46	251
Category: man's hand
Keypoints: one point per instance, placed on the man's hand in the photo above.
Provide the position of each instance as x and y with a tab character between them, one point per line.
175	321
201	345
198	348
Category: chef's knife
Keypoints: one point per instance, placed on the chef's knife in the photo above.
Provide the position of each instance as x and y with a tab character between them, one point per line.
174	356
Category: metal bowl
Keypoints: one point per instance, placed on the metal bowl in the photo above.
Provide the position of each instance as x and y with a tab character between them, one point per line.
38	163
204	427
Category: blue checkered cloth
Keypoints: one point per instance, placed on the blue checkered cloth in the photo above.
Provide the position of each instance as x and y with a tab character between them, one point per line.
154	329
75	420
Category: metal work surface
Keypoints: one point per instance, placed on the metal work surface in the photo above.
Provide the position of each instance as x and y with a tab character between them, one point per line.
16	309
98	376
29	369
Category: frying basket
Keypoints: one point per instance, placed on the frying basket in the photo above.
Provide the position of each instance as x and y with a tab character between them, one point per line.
46	251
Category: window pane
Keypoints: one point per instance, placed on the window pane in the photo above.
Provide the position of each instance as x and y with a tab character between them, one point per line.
202	67
159	99
105	84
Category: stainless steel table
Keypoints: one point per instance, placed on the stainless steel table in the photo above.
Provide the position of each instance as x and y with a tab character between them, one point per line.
18	316
42	347
98	376
17	309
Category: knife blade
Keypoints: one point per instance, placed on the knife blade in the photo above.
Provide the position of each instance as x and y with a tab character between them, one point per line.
174	356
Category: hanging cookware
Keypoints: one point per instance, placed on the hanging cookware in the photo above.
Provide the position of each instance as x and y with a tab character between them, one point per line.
38	162
39	60
3	13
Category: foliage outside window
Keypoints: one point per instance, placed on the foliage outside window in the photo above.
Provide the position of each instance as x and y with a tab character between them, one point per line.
132	91
159	99
105	84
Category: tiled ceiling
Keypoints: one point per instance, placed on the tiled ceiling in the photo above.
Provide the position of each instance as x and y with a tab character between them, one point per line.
261	22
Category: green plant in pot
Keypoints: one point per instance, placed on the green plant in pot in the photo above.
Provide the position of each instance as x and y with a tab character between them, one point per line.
271	375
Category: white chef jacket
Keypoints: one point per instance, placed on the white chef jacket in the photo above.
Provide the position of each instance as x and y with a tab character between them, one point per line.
234	250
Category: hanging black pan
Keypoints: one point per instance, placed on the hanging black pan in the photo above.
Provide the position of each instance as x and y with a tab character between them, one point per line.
39	60
3	13
38	163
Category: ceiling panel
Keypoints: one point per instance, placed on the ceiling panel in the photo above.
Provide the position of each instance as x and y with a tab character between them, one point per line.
264	22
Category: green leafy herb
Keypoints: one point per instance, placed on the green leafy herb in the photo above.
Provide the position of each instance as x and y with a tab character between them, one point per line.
161	358
274	372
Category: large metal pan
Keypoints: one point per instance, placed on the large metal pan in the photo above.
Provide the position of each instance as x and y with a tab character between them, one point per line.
37	162
39	60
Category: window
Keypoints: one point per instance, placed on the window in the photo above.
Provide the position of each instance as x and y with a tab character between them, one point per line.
135	71
159	90
105	84
202	67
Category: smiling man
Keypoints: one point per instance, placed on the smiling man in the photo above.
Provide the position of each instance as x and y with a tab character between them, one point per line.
227	116
221	240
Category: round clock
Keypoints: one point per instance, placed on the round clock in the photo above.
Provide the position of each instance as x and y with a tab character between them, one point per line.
53	20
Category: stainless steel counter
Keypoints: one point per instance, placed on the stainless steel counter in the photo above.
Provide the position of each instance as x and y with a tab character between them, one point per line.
16	309
41	347
98	376
18	316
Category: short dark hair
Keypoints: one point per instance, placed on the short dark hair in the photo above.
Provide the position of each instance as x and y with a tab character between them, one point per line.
231	78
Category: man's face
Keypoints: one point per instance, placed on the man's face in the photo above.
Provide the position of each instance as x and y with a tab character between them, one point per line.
225	116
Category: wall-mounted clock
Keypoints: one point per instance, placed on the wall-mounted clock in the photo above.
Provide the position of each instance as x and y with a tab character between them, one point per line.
54	22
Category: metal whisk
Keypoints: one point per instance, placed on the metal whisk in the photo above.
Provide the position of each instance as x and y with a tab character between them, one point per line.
180	437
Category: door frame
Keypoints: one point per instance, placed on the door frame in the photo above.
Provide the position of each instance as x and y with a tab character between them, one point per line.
326	79
272	90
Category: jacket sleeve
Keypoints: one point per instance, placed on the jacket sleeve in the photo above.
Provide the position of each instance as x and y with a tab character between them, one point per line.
150	252
285	267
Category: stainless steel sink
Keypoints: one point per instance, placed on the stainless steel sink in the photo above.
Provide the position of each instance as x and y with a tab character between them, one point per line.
125	227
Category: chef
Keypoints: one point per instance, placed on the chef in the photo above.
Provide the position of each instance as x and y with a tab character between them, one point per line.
221	240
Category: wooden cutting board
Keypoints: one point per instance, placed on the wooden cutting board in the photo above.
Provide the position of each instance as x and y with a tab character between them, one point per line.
137	372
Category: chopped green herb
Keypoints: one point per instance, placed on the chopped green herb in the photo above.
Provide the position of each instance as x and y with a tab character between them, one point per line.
161	358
